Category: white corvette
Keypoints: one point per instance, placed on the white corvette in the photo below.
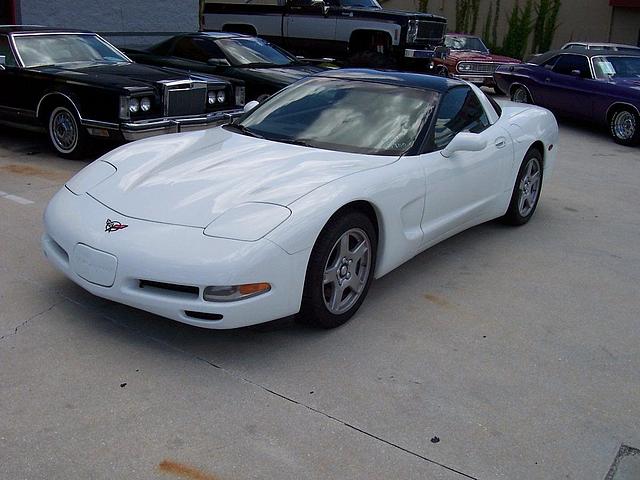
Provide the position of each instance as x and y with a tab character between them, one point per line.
294	209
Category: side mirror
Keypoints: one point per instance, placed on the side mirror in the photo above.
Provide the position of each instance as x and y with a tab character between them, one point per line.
250	106
465	142
217	62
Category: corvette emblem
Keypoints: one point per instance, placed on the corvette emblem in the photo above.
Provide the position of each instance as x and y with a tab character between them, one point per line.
113	226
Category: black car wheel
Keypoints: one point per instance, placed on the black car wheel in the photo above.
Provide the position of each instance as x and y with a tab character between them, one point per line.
340	270
624	127
526	192
519	94
66	135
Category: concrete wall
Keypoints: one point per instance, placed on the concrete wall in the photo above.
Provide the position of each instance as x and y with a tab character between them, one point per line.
126	22
592	20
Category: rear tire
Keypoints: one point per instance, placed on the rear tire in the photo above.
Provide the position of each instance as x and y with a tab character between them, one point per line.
526	192
340	271
624	127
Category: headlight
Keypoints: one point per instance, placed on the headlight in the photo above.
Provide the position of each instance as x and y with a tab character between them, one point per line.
211	97
134	105
145	104
90	176
464	67
221	96
248	222
232	293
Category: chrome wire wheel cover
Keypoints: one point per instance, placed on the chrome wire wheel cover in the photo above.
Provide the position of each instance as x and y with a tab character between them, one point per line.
529	189
64	130
520	95
624	125
346	271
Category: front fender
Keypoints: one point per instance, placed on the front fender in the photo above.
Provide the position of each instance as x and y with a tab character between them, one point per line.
395	191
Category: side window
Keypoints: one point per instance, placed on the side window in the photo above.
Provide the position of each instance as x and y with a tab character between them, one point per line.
198	49
5	50
568	63
460	111
550	63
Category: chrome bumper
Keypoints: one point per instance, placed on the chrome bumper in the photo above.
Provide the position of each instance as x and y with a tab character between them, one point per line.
414	53
479	78
148	128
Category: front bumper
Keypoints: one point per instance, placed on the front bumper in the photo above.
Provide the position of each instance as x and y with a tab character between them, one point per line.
112	265
148	128
476	78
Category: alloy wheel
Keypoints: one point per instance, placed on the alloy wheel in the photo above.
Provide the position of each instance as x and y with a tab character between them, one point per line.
624	125
63	129
347	271
529	189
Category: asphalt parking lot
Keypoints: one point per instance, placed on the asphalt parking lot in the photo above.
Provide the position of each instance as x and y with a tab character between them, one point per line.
500	353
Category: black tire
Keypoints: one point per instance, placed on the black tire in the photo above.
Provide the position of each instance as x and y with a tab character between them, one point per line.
66	134
520	94
369	59
516	215
318	292
624	126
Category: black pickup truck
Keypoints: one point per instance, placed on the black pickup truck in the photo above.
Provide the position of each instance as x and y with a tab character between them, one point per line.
359	31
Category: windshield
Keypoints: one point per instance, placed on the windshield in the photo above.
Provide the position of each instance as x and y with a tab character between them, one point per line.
616	67
360	3
344	115
55	49
465	43
251	51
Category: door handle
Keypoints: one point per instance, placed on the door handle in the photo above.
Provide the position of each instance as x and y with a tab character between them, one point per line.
548	79
501	142
347	14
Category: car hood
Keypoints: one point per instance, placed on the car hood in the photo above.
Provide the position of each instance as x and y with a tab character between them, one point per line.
631	82
192	178
468	55
121	75
282	76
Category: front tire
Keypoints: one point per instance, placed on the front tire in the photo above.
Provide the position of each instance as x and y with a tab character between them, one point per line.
624	127
340	271
66	135
526	192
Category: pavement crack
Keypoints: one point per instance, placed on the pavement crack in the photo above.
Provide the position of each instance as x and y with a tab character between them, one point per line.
33	317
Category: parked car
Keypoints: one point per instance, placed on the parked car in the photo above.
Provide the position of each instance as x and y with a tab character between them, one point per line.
263	67
78	87
470	59
335	180
615	47
357	30
595	85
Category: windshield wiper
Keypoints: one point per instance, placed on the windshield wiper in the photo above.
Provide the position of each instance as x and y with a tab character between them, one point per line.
244	130
295	141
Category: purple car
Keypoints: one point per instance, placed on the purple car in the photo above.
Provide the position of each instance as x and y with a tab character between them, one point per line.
596	85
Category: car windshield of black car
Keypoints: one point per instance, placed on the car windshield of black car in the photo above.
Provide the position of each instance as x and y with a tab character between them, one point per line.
253	51
616	67
465	43
61	49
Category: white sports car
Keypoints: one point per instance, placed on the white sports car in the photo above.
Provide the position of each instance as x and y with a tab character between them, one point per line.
295	208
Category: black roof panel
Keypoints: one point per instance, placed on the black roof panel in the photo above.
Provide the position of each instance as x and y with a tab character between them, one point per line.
416	80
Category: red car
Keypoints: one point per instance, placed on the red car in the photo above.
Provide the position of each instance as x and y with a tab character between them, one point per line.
469	59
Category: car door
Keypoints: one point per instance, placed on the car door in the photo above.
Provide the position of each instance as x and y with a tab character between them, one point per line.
464	188
570	86
310	27
11	91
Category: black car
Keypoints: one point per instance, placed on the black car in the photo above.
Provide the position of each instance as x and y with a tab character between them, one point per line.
265	68
77	86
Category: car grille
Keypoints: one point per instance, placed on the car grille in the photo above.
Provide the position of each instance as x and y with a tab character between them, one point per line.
430	32
480	67
186	99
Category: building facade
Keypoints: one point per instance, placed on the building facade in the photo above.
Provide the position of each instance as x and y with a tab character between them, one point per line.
123	22
616	21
